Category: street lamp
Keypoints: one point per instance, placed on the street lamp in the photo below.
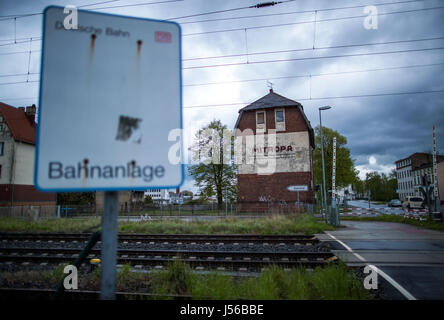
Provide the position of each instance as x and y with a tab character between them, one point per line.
322	153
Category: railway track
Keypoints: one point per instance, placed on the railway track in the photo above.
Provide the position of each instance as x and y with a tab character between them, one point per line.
199	260
166	238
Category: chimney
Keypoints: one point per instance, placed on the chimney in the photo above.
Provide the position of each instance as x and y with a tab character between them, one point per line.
271	90
22	108
30	113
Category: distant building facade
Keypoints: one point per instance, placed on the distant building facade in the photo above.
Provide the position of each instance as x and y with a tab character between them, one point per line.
409	173
17	154
158	195
128	200
266	171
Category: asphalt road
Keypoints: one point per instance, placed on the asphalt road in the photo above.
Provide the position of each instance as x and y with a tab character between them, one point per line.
412	257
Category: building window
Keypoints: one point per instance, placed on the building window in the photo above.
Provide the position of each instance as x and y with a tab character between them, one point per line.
260	117
2	145
279	115
0	171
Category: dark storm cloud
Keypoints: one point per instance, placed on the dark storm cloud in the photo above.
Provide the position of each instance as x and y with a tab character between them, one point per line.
387	127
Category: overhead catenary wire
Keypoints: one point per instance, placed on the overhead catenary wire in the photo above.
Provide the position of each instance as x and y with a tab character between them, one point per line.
302	11
299	50
312	58
8	17
299	99
272	77
27	39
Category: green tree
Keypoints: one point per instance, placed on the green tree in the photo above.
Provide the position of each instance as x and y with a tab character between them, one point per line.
345	169
382	187
215	171
148	199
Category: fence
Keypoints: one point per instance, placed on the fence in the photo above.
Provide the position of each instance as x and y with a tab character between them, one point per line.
159	210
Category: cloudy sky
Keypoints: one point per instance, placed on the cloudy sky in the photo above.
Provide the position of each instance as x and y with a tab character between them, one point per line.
385	85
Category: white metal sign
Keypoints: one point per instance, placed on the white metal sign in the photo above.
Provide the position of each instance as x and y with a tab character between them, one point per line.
110	104
298	188
333	188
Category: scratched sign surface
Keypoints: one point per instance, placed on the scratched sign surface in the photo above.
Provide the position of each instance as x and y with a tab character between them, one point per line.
110	99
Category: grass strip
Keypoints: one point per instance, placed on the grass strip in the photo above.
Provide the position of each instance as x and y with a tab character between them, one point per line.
274	224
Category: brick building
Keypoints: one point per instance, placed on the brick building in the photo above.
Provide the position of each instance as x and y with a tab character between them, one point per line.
268	165
17	153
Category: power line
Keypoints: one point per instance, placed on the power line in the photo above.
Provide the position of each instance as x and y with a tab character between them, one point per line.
313	58
302	99
303	11
260	5
9	17
268	78
317	48
315	75
287	51
324	98
308	22
14	41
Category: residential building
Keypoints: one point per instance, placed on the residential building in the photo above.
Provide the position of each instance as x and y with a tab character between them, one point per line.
266	169
410	170
17	154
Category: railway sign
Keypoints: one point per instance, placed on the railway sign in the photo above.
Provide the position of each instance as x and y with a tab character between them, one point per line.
298	188
110	99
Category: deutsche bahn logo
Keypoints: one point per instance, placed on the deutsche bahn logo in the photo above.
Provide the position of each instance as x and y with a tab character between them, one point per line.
162	36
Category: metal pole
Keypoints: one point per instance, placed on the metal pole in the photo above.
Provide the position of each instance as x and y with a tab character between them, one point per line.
323	166
322	201
109	246
226	201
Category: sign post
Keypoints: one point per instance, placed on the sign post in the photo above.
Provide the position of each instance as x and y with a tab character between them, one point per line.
110	114
109	246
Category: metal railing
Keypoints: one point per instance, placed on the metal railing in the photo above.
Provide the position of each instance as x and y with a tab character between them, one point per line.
162	210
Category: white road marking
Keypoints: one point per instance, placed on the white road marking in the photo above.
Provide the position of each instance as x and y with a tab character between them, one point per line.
400	288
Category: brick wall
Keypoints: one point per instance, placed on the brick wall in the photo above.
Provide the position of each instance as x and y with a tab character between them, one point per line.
256	191
25	195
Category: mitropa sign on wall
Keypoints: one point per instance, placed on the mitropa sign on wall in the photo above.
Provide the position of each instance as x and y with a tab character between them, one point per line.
110	104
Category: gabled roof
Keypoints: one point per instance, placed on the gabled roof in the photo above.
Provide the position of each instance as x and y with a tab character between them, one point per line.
18	123
274	100
271	100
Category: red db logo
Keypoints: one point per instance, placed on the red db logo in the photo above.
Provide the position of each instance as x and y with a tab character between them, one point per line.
162	36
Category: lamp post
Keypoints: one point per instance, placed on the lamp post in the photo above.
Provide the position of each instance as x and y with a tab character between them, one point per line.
322	154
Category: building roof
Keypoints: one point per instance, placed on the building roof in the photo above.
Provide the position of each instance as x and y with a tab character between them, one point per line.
274	100
18	123
271	100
